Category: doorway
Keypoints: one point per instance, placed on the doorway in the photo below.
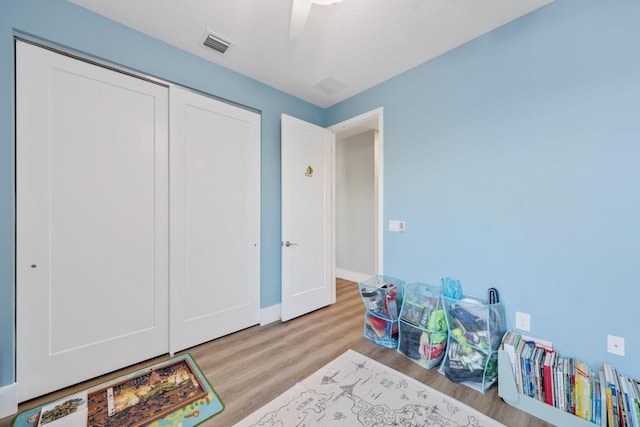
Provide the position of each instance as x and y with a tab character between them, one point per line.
366	127
358	196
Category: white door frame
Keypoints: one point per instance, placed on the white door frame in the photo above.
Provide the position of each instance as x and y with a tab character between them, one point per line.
371	120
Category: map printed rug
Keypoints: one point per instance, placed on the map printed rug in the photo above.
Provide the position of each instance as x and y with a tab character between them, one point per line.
354	390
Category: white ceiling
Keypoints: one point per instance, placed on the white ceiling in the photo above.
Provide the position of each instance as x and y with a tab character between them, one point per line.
359	43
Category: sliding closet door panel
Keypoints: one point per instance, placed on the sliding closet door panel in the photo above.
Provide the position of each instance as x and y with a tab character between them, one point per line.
92	220
215	218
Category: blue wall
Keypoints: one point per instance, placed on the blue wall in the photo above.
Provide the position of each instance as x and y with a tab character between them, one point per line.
70	26
515	160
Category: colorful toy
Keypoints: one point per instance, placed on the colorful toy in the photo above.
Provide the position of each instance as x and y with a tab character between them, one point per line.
451	288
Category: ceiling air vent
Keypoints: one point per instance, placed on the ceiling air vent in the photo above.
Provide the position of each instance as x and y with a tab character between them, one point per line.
216	43
329	86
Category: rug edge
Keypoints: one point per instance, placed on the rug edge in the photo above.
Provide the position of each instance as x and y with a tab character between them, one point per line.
382	365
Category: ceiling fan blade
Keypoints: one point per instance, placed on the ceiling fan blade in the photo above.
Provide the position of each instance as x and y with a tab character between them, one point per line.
299	14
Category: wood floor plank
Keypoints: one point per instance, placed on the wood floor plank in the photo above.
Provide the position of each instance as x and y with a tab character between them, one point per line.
251	367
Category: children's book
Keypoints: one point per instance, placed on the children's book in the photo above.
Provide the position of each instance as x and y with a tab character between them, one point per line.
547	377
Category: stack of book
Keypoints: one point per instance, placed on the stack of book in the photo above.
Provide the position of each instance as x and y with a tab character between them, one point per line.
622	395
570	385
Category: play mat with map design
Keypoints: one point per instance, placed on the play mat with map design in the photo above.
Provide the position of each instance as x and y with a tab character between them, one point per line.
354	390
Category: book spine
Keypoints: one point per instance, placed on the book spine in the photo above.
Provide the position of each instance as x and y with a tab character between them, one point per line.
617	399
518	363
547	380
571	385
594	389
609	393
636	387
603	398
552	368
531	373
537	373
578	389
560	383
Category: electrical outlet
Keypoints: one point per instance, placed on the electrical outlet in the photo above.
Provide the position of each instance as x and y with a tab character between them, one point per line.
523	321
615	345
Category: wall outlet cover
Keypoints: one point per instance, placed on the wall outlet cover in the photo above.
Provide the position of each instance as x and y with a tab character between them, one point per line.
615	345
523	321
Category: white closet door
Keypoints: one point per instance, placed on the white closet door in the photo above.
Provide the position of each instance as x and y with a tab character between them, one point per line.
92	220
215	219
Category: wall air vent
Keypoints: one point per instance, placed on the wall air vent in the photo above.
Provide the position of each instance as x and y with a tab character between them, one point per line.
216	43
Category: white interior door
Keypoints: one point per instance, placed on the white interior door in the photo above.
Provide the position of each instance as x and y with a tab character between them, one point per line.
215	218
308	282
92	226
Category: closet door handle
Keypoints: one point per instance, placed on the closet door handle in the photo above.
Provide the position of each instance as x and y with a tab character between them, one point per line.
288	243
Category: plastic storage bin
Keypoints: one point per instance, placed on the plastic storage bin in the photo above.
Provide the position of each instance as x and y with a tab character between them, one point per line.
475	332
422	325
382	297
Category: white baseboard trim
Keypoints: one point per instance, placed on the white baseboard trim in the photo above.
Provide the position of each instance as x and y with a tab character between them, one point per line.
8	400
270	314
352	275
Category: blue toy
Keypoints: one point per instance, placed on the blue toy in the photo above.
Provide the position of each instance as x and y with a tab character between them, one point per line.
451	288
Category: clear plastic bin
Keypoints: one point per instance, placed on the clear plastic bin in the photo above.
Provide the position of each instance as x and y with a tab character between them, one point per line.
475	331
423	326
382	297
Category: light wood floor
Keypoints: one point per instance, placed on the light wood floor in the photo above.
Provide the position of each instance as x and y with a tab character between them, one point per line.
251	367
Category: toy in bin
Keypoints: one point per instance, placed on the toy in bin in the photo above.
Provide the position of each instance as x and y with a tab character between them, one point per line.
381	331
464	363
432	348
382	301
434	342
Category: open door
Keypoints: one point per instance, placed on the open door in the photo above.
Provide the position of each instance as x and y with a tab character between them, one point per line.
308	281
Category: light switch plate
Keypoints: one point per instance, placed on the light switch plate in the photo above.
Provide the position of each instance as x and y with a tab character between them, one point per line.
397	226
